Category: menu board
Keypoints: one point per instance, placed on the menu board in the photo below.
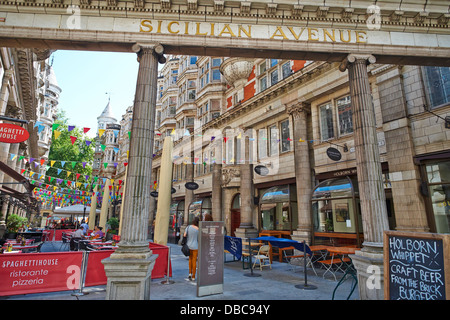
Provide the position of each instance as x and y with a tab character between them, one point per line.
210	258
416	266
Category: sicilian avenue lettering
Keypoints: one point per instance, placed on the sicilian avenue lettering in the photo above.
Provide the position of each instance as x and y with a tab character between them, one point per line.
252	31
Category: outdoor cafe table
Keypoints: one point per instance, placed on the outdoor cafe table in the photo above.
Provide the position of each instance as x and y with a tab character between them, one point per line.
343	252
20	247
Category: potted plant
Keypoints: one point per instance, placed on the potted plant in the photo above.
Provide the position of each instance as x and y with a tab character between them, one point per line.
113	227
13	223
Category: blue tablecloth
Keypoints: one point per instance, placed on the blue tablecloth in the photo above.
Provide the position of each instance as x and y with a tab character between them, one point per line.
283	243
234	246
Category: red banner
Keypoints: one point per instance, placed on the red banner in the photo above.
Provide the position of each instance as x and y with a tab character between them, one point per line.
39	272
160	268
95	271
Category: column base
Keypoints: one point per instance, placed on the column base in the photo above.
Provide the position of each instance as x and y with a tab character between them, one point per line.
370	274
245	233
301	235
129	275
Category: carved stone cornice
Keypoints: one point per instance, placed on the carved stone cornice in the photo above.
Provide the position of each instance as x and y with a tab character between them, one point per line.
436	16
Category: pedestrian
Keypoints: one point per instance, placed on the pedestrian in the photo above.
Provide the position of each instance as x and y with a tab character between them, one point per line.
85	226
192	242
75	239
98	233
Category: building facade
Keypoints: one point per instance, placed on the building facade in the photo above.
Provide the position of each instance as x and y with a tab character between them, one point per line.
29	98
281	133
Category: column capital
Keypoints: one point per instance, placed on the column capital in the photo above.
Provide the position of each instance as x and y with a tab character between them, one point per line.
352	58
157	48
298	108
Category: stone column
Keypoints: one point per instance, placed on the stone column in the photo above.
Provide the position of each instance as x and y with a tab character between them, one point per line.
129	268
216	199
14	149
189	194
4	96
370	180
299	112
246	228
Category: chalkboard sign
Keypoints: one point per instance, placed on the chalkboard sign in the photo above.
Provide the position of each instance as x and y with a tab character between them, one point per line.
416	266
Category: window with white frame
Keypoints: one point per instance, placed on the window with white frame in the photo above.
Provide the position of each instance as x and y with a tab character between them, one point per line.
285	136
437	84
344	111
326	121
262	143
286	69
273	143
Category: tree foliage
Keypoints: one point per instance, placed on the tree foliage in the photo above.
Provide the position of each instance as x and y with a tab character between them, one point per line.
62	149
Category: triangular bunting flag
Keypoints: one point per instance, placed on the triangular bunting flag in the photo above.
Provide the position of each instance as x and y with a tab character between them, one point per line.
55	126
70	128
57	133
101	132
73	139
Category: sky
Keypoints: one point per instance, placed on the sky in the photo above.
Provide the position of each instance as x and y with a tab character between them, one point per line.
87	79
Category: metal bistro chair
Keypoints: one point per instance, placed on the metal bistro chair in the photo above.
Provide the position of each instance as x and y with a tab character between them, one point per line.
297	261
263	257
65	241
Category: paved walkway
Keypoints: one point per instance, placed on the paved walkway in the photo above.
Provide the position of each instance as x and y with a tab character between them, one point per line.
278	283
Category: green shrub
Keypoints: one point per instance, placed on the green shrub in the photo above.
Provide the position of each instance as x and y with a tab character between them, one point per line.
15	222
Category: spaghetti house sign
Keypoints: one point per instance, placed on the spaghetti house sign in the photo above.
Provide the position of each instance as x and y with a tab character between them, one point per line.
11	133
252	31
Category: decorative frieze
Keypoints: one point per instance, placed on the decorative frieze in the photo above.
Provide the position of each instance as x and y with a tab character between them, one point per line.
192	5
165	4
396	15
245	7
347	13
271	8
420	17
322	12
297	10
443	19
219	5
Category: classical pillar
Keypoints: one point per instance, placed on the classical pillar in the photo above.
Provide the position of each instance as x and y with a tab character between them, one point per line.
216	198
189	194
299	112
4	96
164	194
246	228
129	268
370	180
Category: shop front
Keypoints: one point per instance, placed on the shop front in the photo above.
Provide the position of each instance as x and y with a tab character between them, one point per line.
336	213
435	171
278	210
199	208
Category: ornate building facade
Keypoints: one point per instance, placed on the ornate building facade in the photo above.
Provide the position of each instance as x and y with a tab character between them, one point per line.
29	98
288	117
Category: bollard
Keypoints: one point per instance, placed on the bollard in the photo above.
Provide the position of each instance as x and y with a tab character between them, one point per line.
84	262
305	286
167	281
